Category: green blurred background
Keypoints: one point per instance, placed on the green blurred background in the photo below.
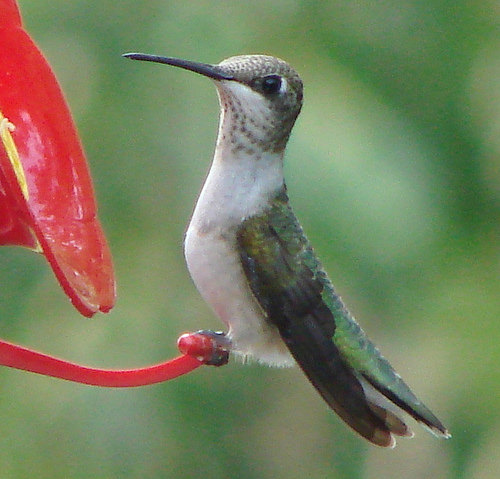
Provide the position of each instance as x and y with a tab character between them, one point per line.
393	169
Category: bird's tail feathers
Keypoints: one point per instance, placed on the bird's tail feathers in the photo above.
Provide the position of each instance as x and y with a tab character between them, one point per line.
385	410
393	405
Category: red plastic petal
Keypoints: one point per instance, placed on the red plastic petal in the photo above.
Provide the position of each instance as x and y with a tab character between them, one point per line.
53	197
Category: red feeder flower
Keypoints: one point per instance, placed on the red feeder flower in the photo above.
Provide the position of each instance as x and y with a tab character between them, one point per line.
47	204
46	195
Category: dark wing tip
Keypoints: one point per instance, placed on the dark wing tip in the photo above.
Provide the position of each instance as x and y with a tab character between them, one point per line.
441	432
321	361
416	409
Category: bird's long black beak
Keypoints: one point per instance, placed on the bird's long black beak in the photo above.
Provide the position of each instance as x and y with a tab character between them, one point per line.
205	69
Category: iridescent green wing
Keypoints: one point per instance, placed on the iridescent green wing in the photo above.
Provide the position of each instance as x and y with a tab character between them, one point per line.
297	297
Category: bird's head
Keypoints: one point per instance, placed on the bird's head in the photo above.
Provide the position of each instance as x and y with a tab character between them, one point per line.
260	95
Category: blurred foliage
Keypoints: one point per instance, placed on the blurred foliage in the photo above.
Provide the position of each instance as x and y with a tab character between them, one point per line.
393	168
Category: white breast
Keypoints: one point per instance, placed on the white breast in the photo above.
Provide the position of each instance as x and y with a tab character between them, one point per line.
232	192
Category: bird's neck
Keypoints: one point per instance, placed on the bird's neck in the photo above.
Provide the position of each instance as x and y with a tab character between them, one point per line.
242	181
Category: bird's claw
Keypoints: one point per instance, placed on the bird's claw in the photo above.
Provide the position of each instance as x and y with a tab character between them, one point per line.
211	347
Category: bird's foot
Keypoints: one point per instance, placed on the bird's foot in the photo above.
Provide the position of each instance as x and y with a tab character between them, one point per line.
211	347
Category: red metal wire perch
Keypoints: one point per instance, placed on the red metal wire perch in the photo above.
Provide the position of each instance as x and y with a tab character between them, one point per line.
197	348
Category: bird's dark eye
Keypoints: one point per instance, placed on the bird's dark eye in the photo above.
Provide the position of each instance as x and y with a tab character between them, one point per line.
271	84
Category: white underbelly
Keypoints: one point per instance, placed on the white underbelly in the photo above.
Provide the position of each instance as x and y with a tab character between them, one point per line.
216	270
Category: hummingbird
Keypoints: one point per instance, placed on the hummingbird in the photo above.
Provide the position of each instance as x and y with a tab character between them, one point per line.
252	263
